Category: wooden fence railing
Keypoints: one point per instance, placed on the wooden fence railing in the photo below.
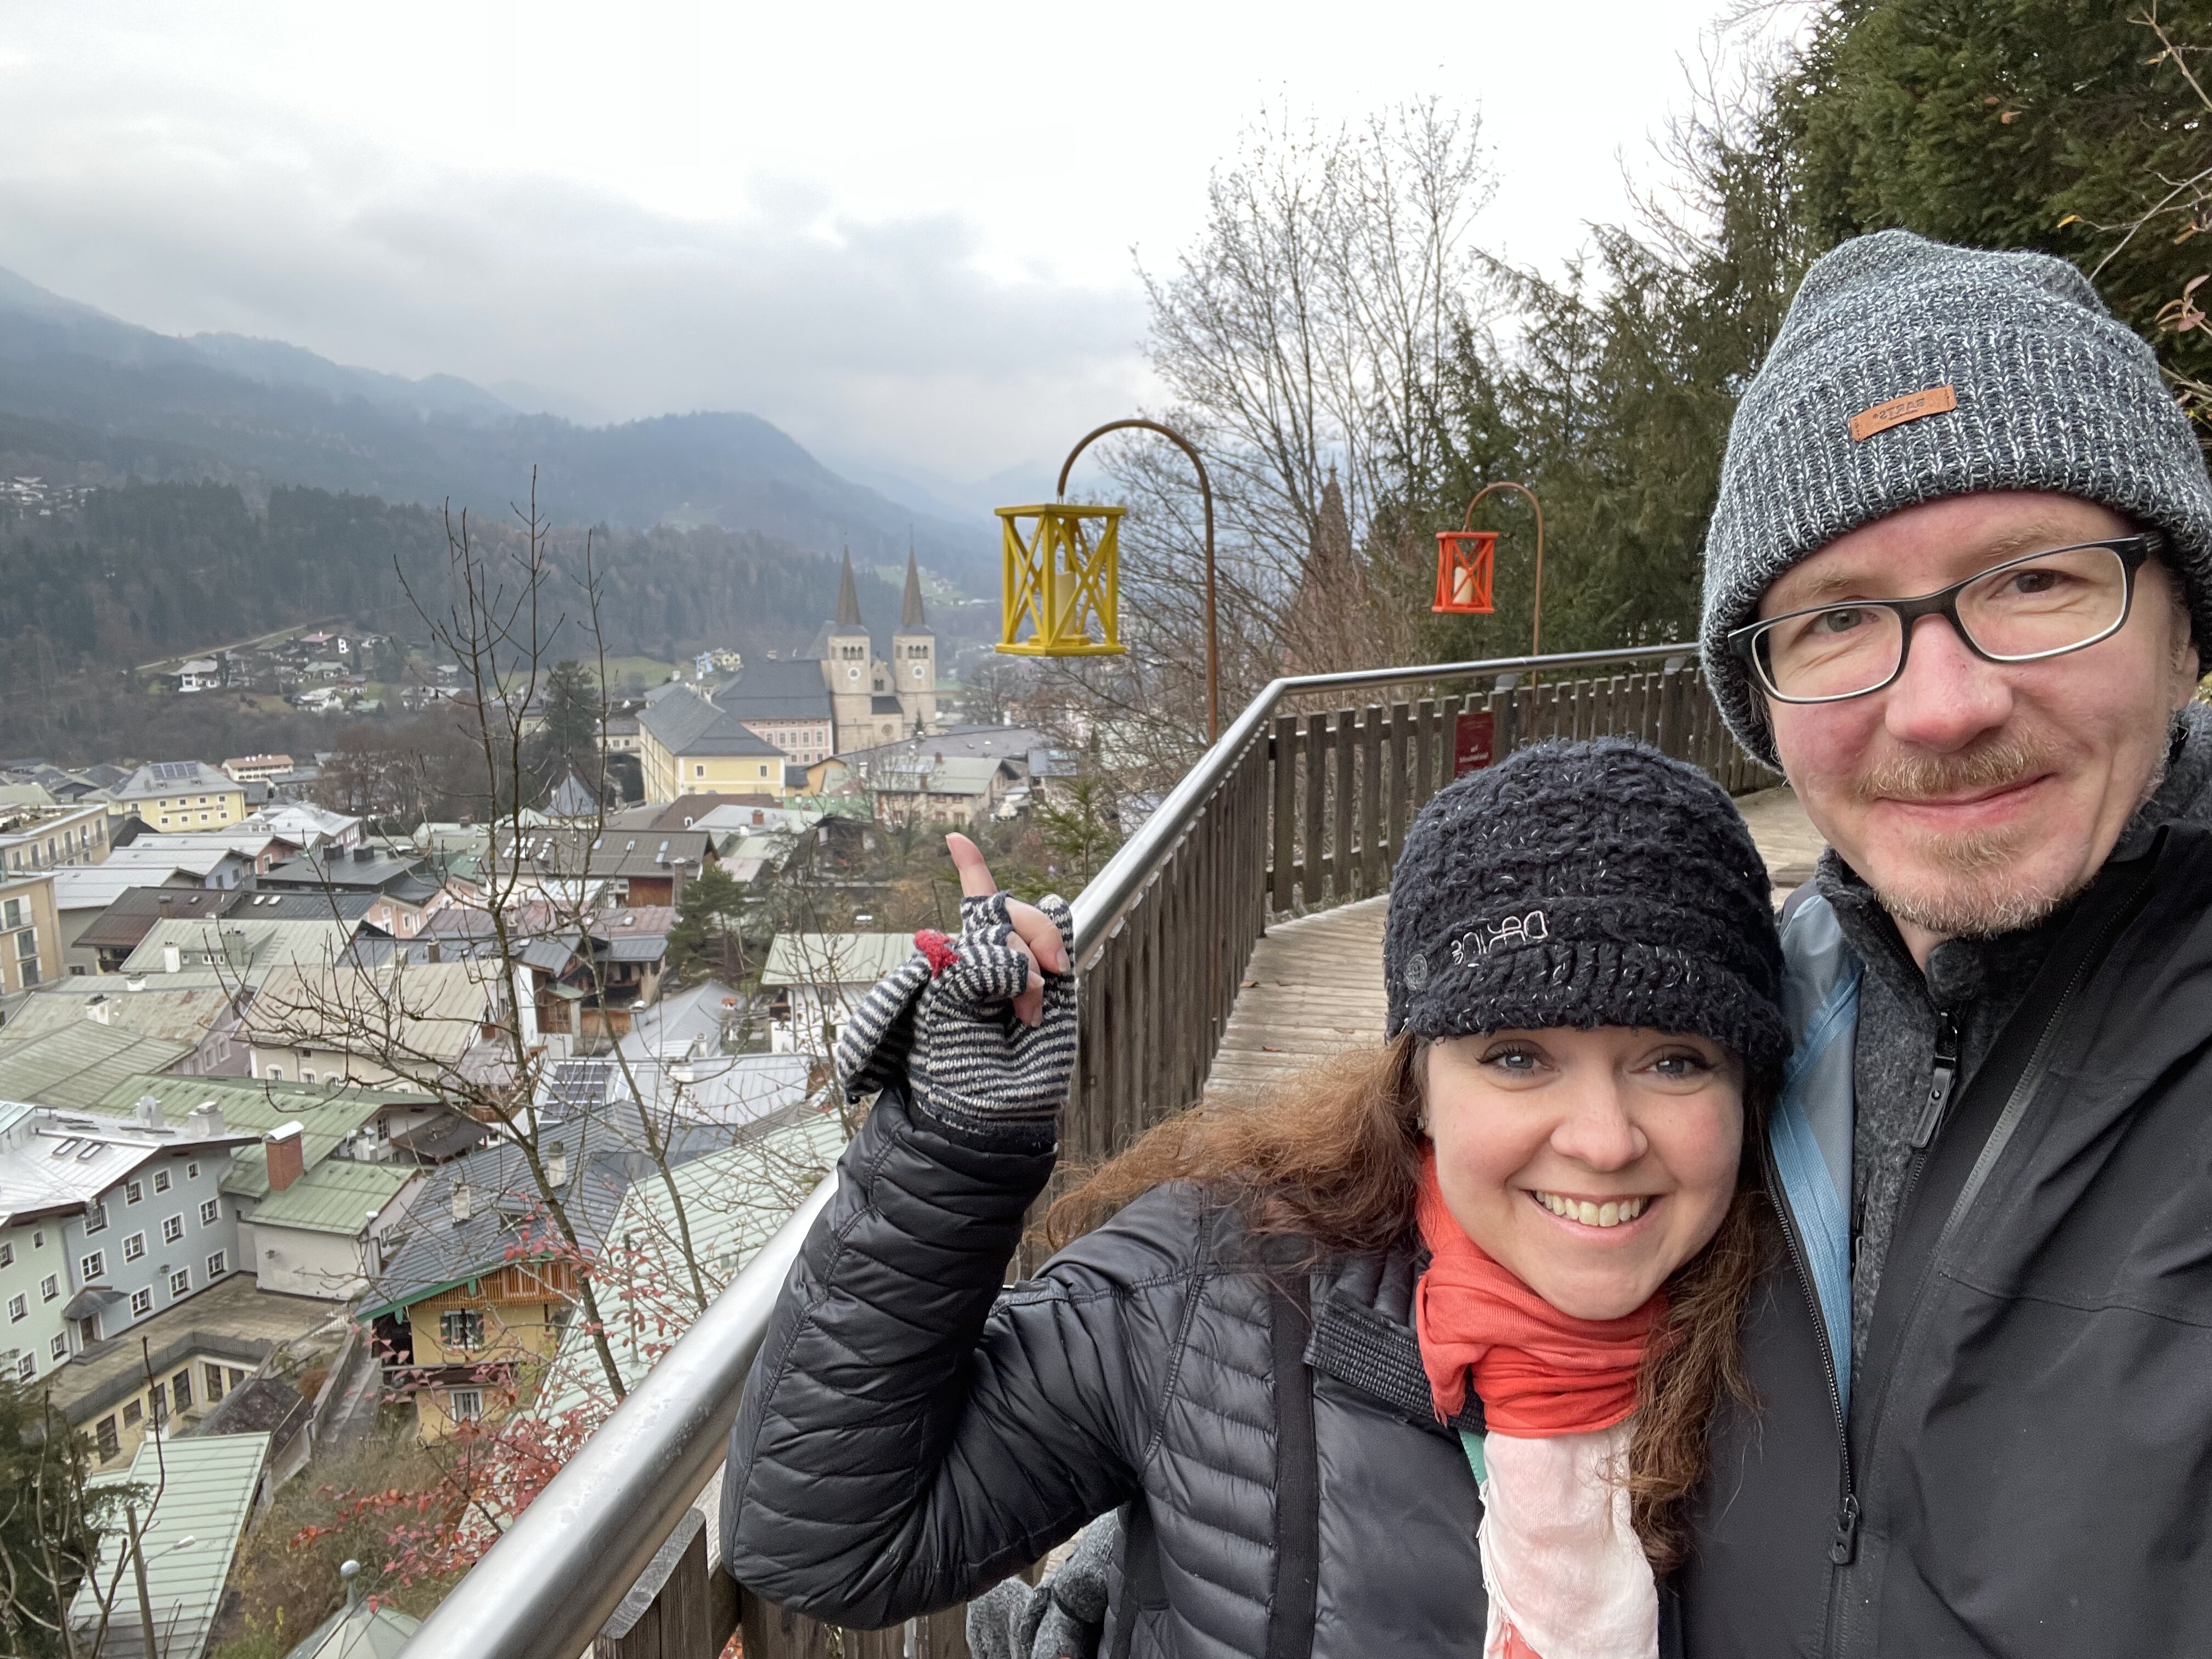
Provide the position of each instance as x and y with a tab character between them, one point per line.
1292	809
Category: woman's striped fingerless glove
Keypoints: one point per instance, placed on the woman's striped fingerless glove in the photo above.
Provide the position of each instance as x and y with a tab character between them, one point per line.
945	1018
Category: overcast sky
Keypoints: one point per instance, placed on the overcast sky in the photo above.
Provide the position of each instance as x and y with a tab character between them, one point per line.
902	233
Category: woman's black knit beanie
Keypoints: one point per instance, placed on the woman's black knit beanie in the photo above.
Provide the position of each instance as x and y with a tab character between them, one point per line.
1585	884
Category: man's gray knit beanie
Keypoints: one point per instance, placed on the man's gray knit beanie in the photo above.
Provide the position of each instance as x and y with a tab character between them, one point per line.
1585	884
2034	385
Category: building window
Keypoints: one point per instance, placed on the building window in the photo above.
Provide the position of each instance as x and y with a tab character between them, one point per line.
180	1282
92	1267
211	1373
237	1378
461	1327
58	1347
698	771
276	1073
132	1192
132	1410
141	1303
134	1247
160	1181
465	1405
49	1287
109	1441
180	1386
210	1213
173	1229
7	1256
27	1367
192	1171
95	1218
18	1308
215	1264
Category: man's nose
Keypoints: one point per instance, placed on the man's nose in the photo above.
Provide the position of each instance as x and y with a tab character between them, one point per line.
1596	1129
1947	696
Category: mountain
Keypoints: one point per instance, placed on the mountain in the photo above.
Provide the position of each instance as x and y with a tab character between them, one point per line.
87	398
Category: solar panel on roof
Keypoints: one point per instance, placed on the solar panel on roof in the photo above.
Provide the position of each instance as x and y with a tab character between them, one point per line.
580	1082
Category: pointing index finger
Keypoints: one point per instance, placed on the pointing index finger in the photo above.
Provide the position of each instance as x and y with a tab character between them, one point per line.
976	880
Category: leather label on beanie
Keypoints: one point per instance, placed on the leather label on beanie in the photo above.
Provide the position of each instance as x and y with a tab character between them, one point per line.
1898	410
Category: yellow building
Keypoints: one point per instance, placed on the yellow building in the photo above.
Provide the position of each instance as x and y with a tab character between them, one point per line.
687	746
481	1290
180	795
30	933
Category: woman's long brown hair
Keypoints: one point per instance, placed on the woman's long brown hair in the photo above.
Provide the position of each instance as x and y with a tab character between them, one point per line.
1335	1157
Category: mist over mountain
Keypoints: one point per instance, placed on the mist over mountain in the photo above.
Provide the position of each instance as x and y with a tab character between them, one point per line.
86	398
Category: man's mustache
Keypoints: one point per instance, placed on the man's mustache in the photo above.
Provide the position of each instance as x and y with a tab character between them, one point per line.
1991	765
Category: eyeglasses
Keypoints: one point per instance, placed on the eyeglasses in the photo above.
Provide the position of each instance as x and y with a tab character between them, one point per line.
2025	610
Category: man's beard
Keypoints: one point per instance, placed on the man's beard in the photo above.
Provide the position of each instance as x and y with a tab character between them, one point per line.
1967	884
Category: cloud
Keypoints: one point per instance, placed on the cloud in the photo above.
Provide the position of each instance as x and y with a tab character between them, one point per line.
884	336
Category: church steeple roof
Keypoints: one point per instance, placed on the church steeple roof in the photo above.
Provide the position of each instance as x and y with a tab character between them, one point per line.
911	617
849	602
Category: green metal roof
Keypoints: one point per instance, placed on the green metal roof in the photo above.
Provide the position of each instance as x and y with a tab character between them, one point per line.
78	1067
359	1630
326	1116
334	1196
189	1532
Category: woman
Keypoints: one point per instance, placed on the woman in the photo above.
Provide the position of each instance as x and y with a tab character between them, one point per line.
1413	1359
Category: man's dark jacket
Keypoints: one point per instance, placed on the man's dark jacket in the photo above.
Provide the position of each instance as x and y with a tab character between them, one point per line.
2027	1464
914	1430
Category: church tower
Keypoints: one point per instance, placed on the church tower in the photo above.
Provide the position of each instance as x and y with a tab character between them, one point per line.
847	671
913	659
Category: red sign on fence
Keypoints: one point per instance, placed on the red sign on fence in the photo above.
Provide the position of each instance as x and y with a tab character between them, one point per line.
1474	736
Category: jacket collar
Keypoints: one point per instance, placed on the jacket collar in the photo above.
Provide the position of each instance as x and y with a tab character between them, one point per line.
1363	1334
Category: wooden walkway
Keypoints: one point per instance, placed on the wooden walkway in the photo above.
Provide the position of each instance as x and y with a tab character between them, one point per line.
1314	985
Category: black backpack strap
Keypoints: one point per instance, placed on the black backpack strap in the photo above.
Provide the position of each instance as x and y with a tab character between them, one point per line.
1297	1477
1142	1589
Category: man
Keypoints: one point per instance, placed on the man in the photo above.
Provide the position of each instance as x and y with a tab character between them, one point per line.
1957	575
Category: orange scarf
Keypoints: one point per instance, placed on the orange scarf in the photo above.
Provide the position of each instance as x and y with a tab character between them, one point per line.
1539	1372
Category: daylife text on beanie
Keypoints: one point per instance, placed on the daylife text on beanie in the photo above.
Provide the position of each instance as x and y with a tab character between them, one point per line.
1909	371
1585	884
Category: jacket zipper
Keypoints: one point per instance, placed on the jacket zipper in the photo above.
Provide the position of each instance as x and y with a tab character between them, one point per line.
1843	1528
1942	1086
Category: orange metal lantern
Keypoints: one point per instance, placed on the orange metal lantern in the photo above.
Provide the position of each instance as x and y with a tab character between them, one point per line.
1465	559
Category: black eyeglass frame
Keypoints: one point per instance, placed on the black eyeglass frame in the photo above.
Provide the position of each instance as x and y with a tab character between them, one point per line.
2131	551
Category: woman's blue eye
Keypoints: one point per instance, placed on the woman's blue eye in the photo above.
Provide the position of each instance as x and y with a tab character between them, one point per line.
1679	1065
1511	1060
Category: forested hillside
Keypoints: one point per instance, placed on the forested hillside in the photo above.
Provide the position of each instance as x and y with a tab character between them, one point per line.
147	571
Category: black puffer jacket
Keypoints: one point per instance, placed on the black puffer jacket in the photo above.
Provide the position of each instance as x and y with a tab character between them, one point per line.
2026	1465
914	1430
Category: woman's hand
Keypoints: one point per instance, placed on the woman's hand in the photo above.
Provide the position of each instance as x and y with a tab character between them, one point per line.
1035	937
982	1026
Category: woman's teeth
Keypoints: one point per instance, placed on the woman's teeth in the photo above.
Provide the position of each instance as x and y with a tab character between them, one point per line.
1611	1213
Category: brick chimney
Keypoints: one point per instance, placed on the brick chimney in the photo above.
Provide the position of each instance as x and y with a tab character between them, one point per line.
286	1160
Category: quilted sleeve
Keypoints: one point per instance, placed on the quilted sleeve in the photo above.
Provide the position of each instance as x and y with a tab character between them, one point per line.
914	1429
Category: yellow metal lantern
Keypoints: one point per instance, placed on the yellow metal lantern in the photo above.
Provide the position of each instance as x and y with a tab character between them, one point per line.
1062	574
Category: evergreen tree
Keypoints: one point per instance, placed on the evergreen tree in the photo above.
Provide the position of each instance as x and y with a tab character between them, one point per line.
2054	124
50	1522
708	938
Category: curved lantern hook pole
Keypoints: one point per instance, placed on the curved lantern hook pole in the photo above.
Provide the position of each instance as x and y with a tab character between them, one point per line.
1536	609
1205	489
1536	606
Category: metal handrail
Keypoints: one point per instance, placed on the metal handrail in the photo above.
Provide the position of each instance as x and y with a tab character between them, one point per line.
544	1590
